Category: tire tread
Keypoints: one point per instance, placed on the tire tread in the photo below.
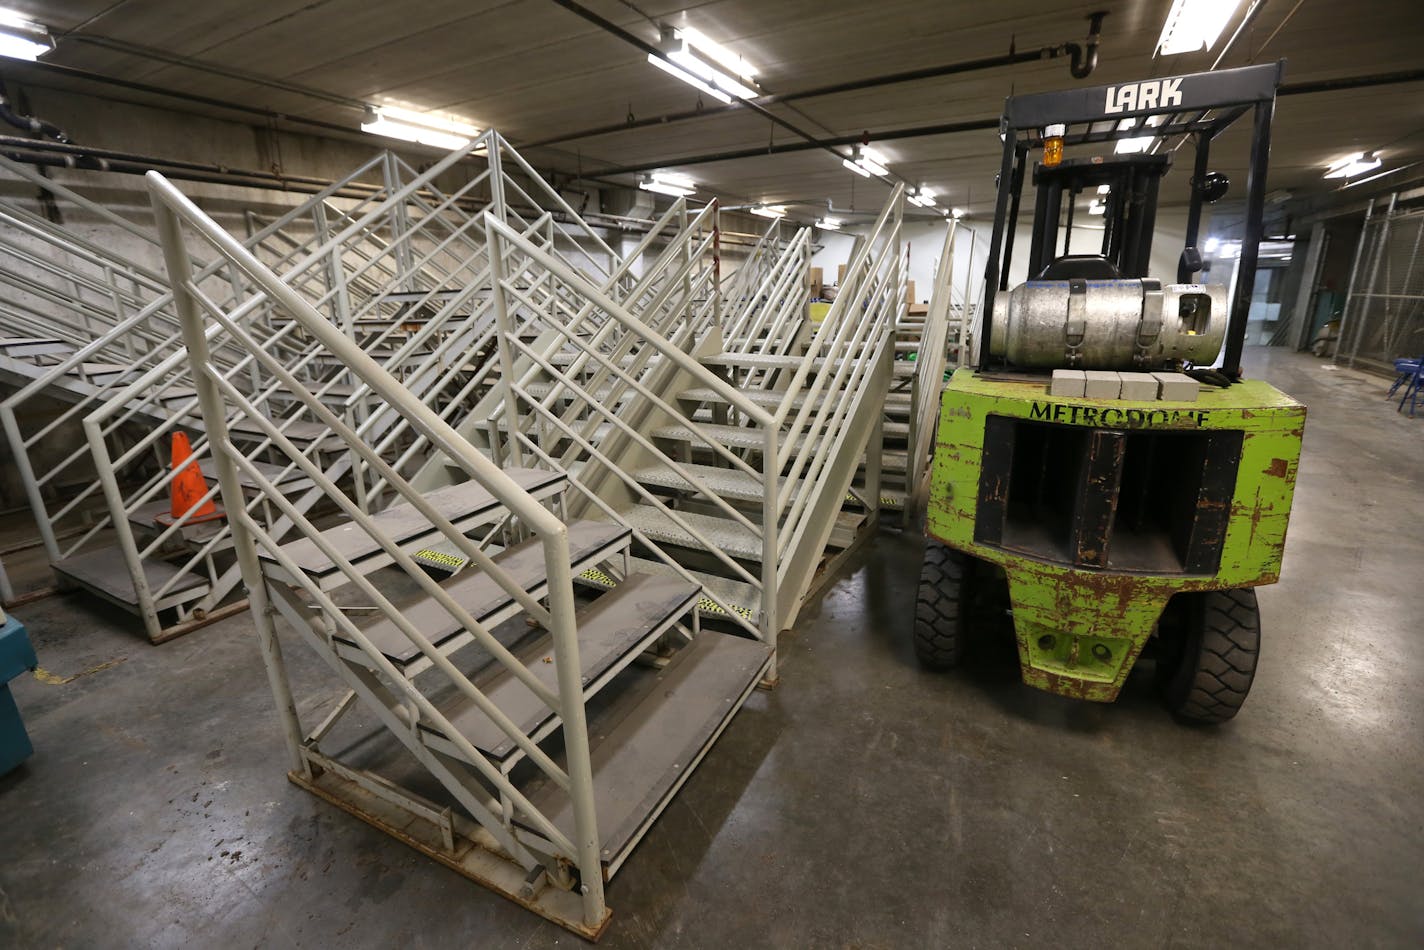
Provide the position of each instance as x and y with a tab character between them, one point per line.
1219	663
939	608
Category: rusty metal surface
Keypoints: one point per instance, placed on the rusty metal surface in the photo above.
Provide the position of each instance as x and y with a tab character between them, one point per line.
1080	629
468	858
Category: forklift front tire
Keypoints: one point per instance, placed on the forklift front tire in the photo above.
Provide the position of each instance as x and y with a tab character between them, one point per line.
939	608
1221	640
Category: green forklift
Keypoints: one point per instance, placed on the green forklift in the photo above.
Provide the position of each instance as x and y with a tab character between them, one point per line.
1105	474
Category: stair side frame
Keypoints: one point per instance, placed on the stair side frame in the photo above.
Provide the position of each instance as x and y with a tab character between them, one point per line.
173	212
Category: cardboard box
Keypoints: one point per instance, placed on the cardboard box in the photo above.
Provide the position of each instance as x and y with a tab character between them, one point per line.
840	274
909	291
813	281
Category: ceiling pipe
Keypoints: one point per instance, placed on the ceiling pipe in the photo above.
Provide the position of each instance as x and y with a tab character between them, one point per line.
979	125
1351	82
1084	60
89	156
84	75
28	123
974	125
49	154
613	29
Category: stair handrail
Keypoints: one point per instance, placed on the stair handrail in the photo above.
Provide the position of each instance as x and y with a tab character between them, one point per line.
928	378
778	302
634	326
768	245
174	211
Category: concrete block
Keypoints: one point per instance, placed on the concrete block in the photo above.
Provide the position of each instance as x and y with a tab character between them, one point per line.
1139	387
1178	387
1101	384
1068	383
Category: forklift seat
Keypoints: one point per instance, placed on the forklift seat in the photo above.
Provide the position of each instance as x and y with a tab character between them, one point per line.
1080	267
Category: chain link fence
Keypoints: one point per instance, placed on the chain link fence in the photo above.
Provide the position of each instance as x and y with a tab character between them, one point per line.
1384	313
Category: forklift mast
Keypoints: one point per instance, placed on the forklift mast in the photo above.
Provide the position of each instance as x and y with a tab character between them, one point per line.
1200	106
1129	210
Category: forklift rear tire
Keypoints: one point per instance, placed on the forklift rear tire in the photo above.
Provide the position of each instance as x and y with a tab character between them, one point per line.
940	607
1219	640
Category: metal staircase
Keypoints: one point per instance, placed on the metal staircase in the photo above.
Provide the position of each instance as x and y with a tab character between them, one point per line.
400	270
518	728
733	467
511	581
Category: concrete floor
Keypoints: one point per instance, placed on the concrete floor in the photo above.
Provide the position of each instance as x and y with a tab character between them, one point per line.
865	803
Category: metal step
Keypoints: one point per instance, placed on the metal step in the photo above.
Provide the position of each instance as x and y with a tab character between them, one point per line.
725	482
723	534
98	374
539	390
771	398
153	517
742	598
539	425
892	498
727	536
743	437
20	347
289	479
104	572
612	632
760	361
892	429
590	542
647	742
303	434
466	505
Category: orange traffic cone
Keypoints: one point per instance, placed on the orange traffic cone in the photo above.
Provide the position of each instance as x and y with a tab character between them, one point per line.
188	486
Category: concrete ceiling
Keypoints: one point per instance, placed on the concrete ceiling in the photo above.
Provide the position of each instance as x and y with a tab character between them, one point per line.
537	71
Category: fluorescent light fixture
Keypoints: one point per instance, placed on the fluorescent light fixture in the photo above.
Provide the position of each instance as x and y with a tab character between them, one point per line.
668	183
1192	25
1211	245
855	167
1104	189
923	197
1352	165
956	213
1140	143
866	161
732	62
708	66
1134	146
872	161
770	211
688	78
420	127
1097	207
829	224
23	38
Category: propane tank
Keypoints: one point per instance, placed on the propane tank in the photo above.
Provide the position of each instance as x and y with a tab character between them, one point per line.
1110	324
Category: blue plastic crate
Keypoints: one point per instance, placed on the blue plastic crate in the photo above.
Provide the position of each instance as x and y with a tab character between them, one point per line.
16	657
